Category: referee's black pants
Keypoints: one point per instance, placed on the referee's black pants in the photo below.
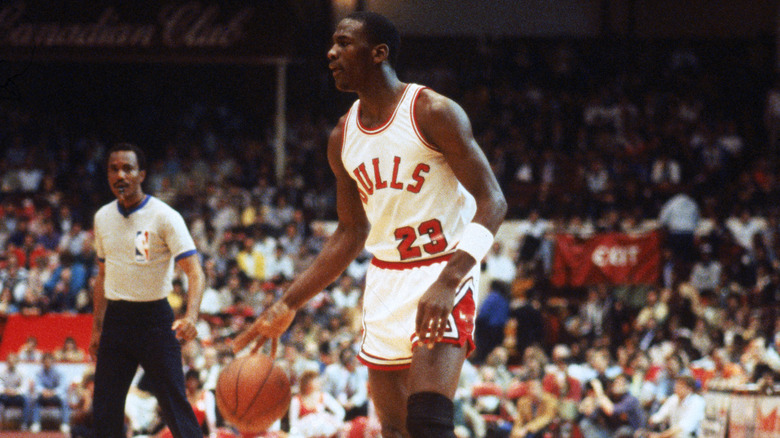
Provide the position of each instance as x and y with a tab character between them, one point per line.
140	333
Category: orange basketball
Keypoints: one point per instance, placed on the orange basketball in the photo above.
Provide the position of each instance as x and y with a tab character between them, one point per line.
252	393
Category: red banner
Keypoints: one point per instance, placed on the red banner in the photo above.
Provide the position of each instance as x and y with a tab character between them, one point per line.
609	258
50	330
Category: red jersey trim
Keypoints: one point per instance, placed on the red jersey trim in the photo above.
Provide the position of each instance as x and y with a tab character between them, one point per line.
414	122
367	131
344	133
409	265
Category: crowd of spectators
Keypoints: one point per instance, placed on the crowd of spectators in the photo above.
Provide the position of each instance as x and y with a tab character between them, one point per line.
577	147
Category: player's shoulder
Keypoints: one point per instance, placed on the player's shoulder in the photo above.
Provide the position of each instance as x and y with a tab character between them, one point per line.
336	137
430	104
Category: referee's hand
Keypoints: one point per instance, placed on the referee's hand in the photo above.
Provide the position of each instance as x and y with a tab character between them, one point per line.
185	329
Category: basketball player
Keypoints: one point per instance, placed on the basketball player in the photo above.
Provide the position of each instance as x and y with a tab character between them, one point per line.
414	187
137	240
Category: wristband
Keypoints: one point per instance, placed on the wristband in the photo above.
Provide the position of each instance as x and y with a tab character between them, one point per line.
476	241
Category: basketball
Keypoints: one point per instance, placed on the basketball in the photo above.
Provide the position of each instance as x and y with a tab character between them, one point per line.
252	393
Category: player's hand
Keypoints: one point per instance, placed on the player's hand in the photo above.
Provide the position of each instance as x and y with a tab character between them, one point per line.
433	312
94	343
271	324
185	328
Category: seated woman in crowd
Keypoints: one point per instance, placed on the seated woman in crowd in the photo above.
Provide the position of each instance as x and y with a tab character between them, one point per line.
314	412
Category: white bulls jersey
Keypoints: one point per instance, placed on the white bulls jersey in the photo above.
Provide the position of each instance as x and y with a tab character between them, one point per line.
416	206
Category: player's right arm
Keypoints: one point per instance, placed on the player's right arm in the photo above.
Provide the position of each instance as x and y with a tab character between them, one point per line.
341	248
98	308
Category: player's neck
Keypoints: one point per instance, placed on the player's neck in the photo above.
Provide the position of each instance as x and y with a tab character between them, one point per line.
378	101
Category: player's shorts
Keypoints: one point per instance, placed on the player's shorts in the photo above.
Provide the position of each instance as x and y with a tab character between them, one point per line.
393	290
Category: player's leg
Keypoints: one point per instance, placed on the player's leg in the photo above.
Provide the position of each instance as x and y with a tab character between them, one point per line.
433	380
434	372
389	392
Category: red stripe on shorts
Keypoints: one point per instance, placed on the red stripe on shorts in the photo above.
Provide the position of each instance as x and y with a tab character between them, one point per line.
409	265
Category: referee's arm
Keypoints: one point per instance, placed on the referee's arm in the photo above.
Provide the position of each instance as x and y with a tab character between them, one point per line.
98	308
185	327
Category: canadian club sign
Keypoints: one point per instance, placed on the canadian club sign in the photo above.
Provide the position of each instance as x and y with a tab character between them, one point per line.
157	30
608	258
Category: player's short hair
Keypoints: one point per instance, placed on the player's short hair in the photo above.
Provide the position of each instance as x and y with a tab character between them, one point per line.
124	146
380	30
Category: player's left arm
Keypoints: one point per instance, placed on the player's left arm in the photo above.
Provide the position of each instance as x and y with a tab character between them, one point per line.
196	281
445	125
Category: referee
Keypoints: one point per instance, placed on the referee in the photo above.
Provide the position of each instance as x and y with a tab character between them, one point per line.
137	239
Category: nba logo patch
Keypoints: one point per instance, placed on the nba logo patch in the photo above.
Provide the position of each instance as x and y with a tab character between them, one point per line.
142	246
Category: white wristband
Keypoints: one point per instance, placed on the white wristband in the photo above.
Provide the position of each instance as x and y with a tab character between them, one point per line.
476	241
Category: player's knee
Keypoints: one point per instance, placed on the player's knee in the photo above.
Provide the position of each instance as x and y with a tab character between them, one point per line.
430	415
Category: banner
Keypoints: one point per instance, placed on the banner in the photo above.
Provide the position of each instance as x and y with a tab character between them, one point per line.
716	413
50	330
742	416
150	31
768	417
609	258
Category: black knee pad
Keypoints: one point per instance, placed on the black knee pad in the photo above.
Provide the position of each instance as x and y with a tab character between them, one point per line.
430	415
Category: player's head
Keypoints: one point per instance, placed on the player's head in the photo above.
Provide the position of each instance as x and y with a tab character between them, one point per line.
364	43
126	172
379	30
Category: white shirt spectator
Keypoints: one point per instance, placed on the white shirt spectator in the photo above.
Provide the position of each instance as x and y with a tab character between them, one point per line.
345	294
347	381
744	228
680	214
498	266
705	275
279	264
684	415
211	304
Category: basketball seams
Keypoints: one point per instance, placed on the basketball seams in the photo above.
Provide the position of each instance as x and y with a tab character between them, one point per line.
238	379
257	393
271	396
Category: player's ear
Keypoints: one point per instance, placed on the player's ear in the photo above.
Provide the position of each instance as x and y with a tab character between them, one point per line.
380	53
142	175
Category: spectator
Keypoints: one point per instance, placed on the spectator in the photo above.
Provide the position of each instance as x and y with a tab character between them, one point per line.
345	294
251	260
49	390
499	266
13	388
29	351
681	414
7	304
70	352
491	320
80	400
680	216
745	227
616	413
706	272
347	381
528	322
278	266
531	233
558	382
203	403
314	412
536	411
